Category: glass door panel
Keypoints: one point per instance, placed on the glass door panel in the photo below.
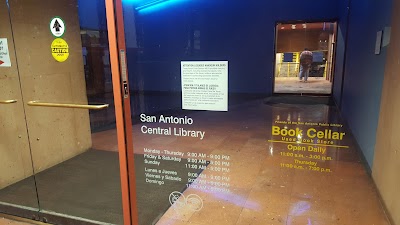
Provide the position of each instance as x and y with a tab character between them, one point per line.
211	145
190	143
62	53
15	160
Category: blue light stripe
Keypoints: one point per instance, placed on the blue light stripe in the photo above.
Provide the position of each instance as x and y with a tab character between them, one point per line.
153	3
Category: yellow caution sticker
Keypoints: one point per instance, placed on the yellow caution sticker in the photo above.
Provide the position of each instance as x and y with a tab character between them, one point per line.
60	49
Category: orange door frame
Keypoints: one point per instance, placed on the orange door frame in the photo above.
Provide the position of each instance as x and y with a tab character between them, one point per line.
116	39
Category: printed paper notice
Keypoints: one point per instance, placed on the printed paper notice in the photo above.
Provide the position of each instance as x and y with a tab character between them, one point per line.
205	85
4	53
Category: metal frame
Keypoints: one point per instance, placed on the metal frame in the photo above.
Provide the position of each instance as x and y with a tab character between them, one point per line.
116	38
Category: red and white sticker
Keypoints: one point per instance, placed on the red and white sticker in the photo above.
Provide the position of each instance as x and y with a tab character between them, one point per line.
4	53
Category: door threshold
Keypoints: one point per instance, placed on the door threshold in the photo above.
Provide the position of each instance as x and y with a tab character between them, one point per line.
22	214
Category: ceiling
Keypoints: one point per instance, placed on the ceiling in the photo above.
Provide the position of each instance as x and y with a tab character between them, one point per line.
302	26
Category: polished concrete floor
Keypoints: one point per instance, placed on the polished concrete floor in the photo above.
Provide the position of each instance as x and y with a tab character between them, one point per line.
314	85
262	191
262	183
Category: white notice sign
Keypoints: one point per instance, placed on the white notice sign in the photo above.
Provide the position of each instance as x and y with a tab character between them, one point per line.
4	53
205	85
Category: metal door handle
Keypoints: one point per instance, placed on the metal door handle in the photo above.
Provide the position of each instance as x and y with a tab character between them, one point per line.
8	101
62	105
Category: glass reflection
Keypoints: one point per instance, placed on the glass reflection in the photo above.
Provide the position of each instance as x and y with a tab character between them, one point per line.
74	160
239	172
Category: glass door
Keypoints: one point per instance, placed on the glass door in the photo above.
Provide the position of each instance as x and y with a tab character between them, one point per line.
60	147
15	161
211	143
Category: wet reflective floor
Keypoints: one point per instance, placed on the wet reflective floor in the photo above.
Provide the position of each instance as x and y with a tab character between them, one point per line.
262	177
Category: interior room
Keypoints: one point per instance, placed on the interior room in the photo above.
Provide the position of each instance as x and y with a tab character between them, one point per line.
291	40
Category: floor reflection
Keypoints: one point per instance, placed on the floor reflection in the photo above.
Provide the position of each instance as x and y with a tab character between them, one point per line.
316	85
258	188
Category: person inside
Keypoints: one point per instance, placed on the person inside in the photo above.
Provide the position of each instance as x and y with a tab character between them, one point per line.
306	58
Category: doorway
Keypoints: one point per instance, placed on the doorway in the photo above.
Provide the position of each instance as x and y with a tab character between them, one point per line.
291	40
56	95
208	148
